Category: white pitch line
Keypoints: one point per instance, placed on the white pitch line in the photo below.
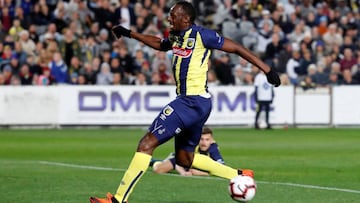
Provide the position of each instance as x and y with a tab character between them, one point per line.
201	177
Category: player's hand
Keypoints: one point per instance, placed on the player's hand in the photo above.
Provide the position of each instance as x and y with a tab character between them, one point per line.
273	78
119	31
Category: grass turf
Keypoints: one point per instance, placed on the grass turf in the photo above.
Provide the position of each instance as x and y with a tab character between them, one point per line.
45	166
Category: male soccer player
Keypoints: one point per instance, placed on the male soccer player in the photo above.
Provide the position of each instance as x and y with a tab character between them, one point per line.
184	117
207	146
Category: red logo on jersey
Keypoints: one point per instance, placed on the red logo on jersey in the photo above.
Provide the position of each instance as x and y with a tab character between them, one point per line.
184	53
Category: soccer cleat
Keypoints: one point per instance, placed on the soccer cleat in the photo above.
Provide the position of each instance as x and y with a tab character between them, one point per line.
109	199
246	172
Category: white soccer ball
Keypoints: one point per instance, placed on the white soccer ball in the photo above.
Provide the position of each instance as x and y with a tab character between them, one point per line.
242	188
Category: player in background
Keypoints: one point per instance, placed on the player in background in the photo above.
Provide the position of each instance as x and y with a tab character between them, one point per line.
207	146
264	95
184	117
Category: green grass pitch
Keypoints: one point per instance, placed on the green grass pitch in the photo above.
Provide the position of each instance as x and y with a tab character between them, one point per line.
69	165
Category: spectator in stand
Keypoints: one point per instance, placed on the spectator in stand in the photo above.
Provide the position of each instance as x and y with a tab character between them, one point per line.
27	44
7	73
333	79
140	79
59	69
69	47
304	62
127	62
25	75
45	78
320	77
273	49
104	77
19	53
117	79
164	75
348	61
103	40
307	83
223	70
161	58
88	73
263	39
348	78
349	43
254	10
285	79
75	65
115	66
239	9
102	13
291	65
2	79
332	37
91	49
15	29
125	14
6	19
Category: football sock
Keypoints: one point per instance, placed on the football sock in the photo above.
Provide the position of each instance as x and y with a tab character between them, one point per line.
137	168
205	163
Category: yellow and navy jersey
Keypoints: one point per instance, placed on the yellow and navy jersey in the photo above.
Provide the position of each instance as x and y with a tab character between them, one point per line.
213	152
191	51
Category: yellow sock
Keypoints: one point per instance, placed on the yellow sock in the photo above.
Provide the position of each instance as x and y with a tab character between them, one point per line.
214	168
137	168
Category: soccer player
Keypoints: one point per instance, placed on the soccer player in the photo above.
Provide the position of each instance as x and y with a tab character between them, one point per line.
207	146
184	117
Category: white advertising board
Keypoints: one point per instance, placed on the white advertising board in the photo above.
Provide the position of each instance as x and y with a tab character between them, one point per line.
24	105
313	106
346	105
134	105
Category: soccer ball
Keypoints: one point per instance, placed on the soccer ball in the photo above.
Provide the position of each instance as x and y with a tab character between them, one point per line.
242	188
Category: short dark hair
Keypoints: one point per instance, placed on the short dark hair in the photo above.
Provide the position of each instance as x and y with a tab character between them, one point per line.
206	130
189	9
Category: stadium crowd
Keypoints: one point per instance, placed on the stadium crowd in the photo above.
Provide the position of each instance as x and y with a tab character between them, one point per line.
310	43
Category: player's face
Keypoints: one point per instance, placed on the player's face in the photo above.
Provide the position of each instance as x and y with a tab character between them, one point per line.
205	141
177	18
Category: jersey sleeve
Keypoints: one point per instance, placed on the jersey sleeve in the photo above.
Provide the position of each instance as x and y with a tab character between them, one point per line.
211	39
215	153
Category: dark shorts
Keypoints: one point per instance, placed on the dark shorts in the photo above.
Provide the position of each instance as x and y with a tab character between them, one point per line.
183	118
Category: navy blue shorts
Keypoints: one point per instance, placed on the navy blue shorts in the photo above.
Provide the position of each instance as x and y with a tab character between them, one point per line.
183	118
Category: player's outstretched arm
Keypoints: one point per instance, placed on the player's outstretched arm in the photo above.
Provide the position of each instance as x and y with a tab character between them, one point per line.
150	40
233	47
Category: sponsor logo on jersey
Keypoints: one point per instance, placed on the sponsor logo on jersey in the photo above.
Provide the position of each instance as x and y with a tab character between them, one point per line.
184	53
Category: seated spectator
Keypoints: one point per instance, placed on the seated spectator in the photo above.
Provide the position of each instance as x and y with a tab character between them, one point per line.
333	79
104	77
25	75
307	83
285	79
348	78
348	61
59	70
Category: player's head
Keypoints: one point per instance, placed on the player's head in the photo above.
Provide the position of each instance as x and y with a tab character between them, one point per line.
182	15
206	139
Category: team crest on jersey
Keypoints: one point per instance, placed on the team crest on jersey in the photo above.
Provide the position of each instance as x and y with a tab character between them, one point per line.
190	43
168	111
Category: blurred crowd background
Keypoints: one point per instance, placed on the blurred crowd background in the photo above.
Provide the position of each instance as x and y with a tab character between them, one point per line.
310	43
